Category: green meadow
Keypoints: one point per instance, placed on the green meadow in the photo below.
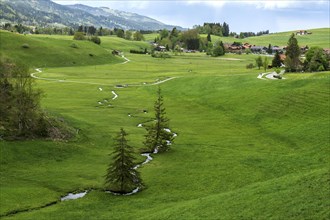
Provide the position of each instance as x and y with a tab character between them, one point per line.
246	148
319	37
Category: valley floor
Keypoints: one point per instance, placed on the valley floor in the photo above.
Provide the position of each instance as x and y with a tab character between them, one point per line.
246	148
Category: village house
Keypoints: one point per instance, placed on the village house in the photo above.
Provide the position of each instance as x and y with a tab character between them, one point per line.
258	49
278	49
303	32
246	46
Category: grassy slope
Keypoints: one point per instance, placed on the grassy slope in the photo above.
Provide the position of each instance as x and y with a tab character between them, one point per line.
247	148
319	37
50	50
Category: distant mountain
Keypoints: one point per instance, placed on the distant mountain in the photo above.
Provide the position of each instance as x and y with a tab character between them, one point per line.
48	13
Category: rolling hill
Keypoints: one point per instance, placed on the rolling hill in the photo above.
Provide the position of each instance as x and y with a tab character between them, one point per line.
319	37
246	148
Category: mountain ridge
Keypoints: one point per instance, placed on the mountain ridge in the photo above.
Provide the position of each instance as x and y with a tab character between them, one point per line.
49	13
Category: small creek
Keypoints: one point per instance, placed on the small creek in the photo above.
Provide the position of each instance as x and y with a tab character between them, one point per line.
72	196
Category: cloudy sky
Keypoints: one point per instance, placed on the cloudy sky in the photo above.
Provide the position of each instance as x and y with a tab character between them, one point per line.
241	15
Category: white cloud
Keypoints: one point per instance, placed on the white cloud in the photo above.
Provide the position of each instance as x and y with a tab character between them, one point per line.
271	4
132	4
217	4
260	4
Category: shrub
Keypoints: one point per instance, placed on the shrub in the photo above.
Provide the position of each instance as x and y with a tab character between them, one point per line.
248	51
138	51
25	46
250	66
161	55
96	40
277	76
79	36
277	70
74	45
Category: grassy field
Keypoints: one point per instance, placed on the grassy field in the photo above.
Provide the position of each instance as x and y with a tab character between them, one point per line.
246	148
53	50
319	37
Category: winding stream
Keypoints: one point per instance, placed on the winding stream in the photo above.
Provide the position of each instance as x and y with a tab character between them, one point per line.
72	196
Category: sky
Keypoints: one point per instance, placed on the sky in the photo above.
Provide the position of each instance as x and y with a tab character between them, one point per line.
241	15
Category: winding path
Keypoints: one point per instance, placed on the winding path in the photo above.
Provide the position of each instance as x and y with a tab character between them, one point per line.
93	83
270	75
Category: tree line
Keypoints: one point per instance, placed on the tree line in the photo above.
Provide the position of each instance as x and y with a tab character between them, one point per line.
21	116
214	29
86	30
191	40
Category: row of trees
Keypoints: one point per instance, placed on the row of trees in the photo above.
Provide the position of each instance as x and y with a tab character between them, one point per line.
122	176
213	28
86	30
191	40
252	34
81	36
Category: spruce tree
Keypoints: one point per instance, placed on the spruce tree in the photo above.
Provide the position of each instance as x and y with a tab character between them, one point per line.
159	137
209	37
276	62
121	177
269	49
292	61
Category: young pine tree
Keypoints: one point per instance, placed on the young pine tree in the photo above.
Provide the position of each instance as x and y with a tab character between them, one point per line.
276	62
159	137
121	177
293	52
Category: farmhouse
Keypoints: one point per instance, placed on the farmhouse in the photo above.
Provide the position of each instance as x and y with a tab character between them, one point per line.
258	49
246	46
302	32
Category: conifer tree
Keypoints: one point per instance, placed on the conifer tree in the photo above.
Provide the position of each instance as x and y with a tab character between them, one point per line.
159	137
276	62
121	177
209	37
269	49
292	61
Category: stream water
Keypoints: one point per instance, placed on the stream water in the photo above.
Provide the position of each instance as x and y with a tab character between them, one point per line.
72	196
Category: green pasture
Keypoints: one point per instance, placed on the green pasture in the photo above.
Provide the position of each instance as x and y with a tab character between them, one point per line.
53	50
246	148
319	37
